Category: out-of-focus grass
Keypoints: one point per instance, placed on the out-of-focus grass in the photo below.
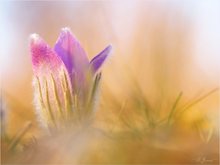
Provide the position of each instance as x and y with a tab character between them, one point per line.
150	108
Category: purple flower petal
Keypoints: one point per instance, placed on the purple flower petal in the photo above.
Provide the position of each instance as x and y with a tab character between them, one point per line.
98	60
71	53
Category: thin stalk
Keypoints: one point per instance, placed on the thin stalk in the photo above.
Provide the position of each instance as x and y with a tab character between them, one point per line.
173	110
196	102
18	136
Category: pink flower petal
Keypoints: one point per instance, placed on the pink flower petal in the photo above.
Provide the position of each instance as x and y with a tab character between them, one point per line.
52	81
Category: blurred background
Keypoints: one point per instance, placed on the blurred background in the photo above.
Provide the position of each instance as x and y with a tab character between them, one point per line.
160	48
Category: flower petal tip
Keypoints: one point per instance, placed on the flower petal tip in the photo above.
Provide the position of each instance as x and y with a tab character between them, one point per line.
109	48
98	60
66	29
65	32
34	38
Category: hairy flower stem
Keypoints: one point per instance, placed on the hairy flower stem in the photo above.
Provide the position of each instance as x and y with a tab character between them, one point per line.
57	97
93	93
48	104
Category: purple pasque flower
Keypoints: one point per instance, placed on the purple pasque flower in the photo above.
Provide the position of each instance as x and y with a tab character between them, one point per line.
74	56
76	61
64	77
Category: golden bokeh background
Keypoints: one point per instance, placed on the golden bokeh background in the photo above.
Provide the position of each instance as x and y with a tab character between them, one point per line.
160	48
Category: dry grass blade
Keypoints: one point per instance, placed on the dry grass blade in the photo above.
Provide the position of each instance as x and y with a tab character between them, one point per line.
173	110
196	102
18	136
